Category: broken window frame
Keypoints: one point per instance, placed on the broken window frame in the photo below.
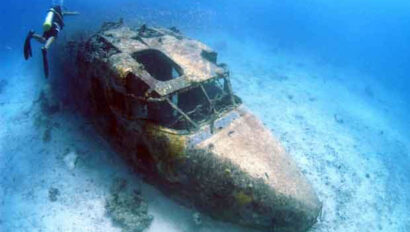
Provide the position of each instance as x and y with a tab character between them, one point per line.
235	101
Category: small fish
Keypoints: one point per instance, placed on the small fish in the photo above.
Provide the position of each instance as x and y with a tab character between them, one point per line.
9	48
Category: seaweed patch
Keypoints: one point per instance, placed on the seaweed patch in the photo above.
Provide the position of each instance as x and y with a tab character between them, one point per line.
126	208
53	194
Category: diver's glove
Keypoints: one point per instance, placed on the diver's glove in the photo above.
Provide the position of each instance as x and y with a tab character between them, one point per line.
27	45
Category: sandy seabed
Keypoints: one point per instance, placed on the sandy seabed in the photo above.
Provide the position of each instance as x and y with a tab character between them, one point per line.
348	133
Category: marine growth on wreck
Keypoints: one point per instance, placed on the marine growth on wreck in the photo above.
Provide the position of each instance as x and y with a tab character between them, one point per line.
167	105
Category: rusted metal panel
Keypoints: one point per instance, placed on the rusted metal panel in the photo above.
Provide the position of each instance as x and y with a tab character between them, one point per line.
190	135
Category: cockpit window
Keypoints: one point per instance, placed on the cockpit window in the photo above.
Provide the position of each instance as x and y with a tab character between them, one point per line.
196	106
185	110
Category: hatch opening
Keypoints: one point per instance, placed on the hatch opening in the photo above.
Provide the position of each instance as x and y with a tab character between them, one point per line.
158	65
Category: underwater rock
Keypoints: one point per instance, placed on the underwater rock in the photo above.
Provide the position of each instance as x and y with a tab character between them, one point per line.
167	106
127	209
70	160
53	194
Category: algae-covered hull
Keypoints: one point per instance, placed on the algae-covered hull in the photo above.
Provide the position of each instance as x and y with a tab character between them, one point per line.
168	107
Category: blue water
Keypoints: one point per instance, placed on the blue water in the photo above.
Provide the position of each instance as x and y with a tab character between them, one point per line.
330	79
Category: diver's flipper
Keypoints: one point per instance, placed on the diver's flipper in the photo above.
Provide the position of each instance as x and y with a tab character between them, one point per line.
27	45
45	61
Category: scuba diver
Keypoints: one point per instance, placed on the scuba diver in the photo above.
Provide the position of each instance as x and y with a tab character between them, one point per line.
53	24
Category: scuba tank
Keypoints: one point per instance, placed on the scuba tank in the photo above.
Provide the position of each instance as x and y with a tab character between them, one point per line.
55	14
49	20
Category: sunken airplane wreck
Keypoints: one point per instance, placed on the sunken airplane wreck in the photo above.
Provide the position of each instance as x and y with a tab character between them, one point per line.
166	104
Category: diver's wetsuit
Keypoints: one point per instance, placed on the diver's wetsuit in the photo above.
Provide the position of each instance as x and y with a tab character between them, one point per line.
57	24
51	30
